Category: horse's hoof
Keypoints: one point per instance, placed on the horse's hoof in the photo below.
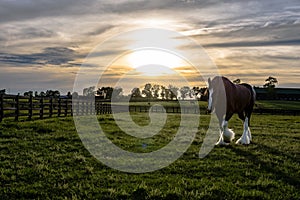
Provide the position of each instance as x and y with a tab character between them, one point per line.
222	144
239	141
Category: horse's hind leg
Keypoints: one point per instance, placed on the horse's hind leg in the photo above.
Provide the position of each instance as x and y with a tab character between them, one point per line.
242	116
248	117
246	137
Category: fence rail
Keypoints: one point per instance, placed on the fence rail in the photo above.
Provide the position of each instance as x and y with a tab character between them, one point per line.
16	106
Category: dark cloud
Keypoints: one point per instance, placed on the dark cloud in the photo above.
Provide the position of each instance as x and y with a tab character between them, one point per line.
101	30
284	57
23	10
32	32
255	43
50	55
106	53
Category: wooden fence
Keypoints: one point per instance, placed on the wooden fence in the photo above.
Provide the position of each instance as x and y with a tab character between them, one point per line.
16	106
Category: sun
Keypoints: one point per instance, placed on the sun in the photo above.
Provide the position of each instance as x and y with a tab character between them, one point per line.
154	62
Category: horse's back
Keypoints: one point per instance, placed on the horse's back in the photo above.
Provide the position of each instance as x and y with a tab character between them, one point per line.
251	91
239	96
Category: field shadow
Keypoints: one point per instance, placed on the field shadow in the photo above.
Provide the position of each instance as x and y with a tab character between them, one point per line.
270	167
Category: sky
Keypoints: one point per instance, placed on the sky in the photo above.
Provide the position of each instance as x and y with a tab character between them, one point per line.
45	44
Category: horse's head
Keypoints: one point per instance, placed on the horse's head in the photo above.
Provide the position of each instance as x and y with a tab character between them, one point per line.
213	92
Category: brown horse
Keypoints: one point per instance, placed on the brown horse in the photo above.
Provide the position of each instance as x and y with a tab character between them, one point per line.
225	99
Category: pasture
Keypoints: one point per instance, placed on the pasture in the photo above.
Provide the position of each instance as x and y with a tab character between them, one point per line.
45	159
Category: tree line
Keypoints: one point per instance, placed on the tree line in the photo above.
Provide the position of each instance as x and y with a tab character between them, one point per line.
148	92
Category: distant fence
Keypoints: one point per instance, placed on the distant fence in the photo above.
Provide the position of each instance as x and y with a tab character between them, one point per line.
277	111
167	109
16	106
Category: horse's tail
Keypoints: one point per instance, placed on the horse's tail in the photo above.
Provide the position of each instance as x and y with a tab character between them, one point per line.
252	91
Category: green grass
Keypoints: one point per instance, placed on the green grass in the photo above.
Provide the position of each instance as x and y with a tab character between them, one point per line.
45	159
276	104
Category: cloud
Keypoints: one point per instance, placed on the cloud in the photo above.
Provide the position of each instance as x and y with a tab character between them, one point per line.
24	10
49	56
40	33
23	32
101	29
256	43
106	53
32	32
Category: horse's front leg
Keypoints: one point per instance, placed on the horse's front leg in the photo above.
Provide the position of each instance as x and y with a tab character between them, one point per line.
221	139
226	135
246	137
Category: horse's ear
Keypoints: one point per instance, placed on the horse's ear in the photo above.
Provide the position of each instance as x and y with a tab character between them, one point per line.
209	81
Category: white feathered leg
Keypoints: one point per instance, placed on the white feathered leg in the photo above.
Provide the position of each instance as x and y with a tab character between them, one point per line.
249	134
246	137
221	139
226	134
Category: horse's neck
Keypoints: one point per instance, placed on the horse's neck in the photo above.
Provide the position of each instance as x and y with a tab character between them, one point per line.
226	92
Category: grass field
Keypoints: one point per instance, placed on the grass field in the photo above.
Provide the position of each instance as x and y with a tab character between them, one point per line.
45	159
276	104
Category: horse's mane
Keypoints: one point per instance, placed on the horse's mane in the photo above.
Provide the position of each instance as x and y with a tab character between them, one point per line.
227	80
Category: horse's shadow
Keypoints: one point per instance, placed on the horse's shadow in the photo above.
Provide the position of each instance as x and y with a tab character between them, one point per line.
267	166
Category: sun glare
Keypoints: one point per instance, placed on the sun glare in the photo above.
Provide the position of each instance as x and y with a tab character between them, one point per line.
154	62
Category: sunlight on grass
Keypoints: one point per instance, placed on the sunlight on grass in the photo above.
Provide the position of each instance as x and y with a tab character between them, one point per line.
46	159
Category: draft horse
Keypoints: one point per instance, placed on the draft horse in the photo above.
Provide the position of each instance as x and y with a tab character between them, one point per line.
225	99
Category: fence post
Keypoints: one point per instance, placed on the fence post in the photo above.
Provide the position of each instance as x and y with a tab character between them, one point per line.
41	107
97	107
17	111
59	107
71	106
51	107
1	107
78	106
86	107
30	108
66	108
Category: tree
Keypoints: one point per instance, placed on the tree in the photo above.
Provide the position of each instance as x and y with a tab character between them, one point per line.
28	94
105	92
184	91
75	95
237	81
136	93
52	93
147	91
199	91
69	95
173	92
117	92
270	82
42	94
196	90
155	91
2	91
163	92
167	93
90	91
